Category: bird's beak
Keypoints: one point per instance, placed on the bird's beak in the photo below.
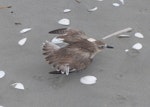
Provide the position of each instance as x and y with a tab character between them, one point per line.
108	46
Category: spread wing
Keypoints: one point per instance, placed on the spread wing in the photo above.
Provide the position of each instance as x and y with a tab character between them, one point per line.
67	31
68	35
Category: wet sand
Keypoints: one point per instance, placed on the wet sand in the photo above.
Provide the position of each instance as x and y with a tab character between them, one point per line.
122	78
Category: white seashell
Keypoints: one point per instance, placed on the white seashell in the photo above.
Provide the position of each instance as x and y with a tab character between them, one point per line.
22	41
18	86
126	50
116	4
123	36
122	1
93	9
99	0
2	74
64	21
67	10
25	30
138	35
137	46
88	80
91	39
1	106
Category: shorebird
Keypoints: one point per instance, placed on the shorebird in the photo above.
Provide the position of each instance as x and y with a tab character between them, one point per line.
76	56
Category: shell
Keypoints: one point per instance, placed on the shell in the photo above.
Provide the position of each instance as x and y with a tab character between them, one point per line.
138	35
93	9
64	21
18	86
25	30
126	50
122	1
22	41
116	4
123	36
66	10
137	46
2	74
88	80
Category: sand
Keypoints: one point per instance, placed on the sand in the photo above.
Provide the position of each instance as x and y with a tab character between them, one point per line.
123	78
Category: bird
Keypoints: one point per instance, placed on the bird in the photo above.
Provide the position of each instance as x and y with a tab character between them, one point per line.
76	56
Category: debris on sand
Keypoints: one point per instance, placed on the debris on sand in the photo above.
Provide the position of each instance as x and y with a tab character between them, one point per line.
123	36
18	86
93	9
2	74
22	41
122	1
17	23
116	4
137	46
138	35
25	30
64	21
5	7
78	1
67	10
118	32
88	80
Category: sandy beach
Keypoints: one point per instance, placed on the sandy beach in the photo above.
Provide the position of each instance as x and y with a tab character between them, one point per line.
123	78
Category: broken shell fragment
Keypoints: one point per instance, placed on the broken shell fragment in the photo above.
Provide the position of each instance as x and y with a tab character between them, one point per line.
123	36
64	21
93	9
137	46
22	41
25	30
18	86
116	4
88	80
122	1
126	50
66	10
139	35
2	74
